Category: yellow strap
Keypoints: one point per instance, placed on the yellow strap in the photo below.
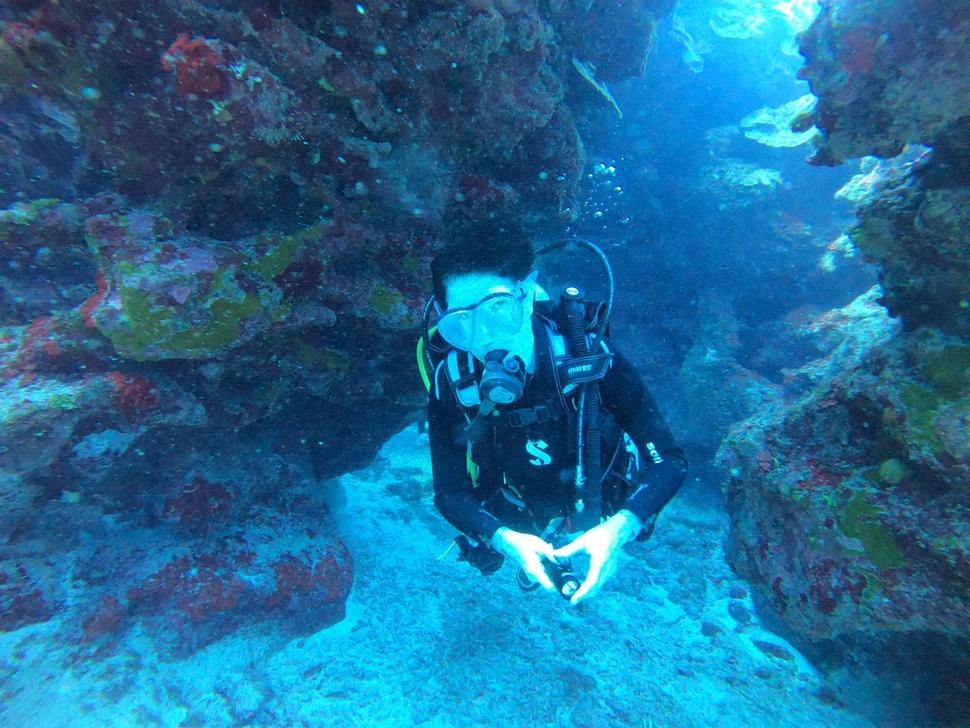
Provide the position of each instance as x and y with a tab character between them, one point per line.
422	361
450	547
470	464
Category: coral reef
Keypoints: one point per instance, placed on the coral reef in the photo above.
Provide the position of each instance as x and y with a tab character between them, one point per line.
869	461
849	505
772	127
887	74
913	221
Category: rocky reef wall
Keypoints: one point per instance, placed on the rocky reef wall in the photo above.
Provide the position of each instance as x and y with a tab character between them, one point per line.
849	506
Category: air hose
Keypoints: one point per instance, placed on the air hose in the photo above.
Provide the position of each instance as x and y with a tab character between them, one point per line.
588	466
589	474
604	319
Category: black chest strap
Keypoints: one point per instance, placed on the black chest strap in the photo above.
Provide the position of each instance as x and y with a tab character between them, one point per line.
528	416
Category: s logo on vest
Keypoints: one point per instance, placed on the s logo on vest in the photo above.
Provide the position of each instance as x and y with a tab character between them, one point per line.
538	449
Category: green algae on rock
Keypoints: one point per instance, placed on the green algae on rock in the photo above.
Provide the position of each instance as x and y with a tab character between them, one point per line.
859	519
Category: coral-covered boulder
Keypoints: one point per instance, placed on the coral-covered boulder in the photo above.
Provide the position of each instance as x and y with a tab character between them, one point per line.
62	404
914	222
194	597
29	591
849	508
886	74
268	570
46	263
170	296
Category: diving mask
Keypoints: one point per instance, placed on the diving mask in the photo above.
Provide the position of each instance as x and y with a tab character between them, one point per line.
493	319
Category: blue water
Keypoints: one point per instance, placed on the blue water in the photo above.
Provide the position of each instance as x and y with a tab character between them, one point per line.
133	451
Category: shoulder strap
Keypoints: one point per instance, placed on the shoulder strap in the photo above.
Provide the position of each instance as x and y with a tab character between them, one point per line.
574	370
463	377
459	367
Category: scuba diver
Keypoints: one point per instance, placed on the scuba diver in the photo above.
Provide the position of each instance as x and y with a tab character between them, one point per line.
544	441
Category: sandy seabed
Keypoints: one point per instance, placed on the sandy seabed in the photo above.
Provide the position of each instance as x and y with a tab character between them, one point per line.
671	641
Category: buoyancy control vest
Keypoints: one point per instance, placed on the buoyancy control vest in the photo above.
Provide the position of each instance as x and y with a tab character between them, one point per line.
497	447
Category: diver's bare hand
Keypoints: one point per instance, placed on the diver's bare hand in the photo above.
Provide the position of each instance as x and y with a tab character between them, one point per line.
602	543
527	551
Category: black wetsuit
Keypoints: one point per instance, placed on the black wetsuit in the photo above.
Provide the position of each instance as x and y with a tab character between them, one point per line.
526	472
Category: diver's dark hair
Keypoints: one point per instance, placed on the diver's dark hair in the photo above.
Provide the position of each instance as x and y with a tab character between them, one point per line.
488	246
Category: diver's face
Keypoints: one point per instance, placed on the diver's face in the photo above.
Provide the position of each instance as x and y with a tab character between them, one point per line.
484	300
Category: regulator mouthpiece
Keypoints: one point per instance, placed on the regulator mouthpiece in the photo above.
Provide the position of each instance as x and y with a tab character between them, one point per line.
503	381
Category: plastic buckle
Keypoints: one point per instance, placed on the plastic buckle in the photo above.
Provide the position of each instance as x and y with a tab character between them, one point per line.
528	416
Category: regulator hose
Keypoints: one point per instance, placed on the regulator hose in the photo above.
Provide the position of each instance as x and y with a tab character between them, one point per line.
603	320
589	467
